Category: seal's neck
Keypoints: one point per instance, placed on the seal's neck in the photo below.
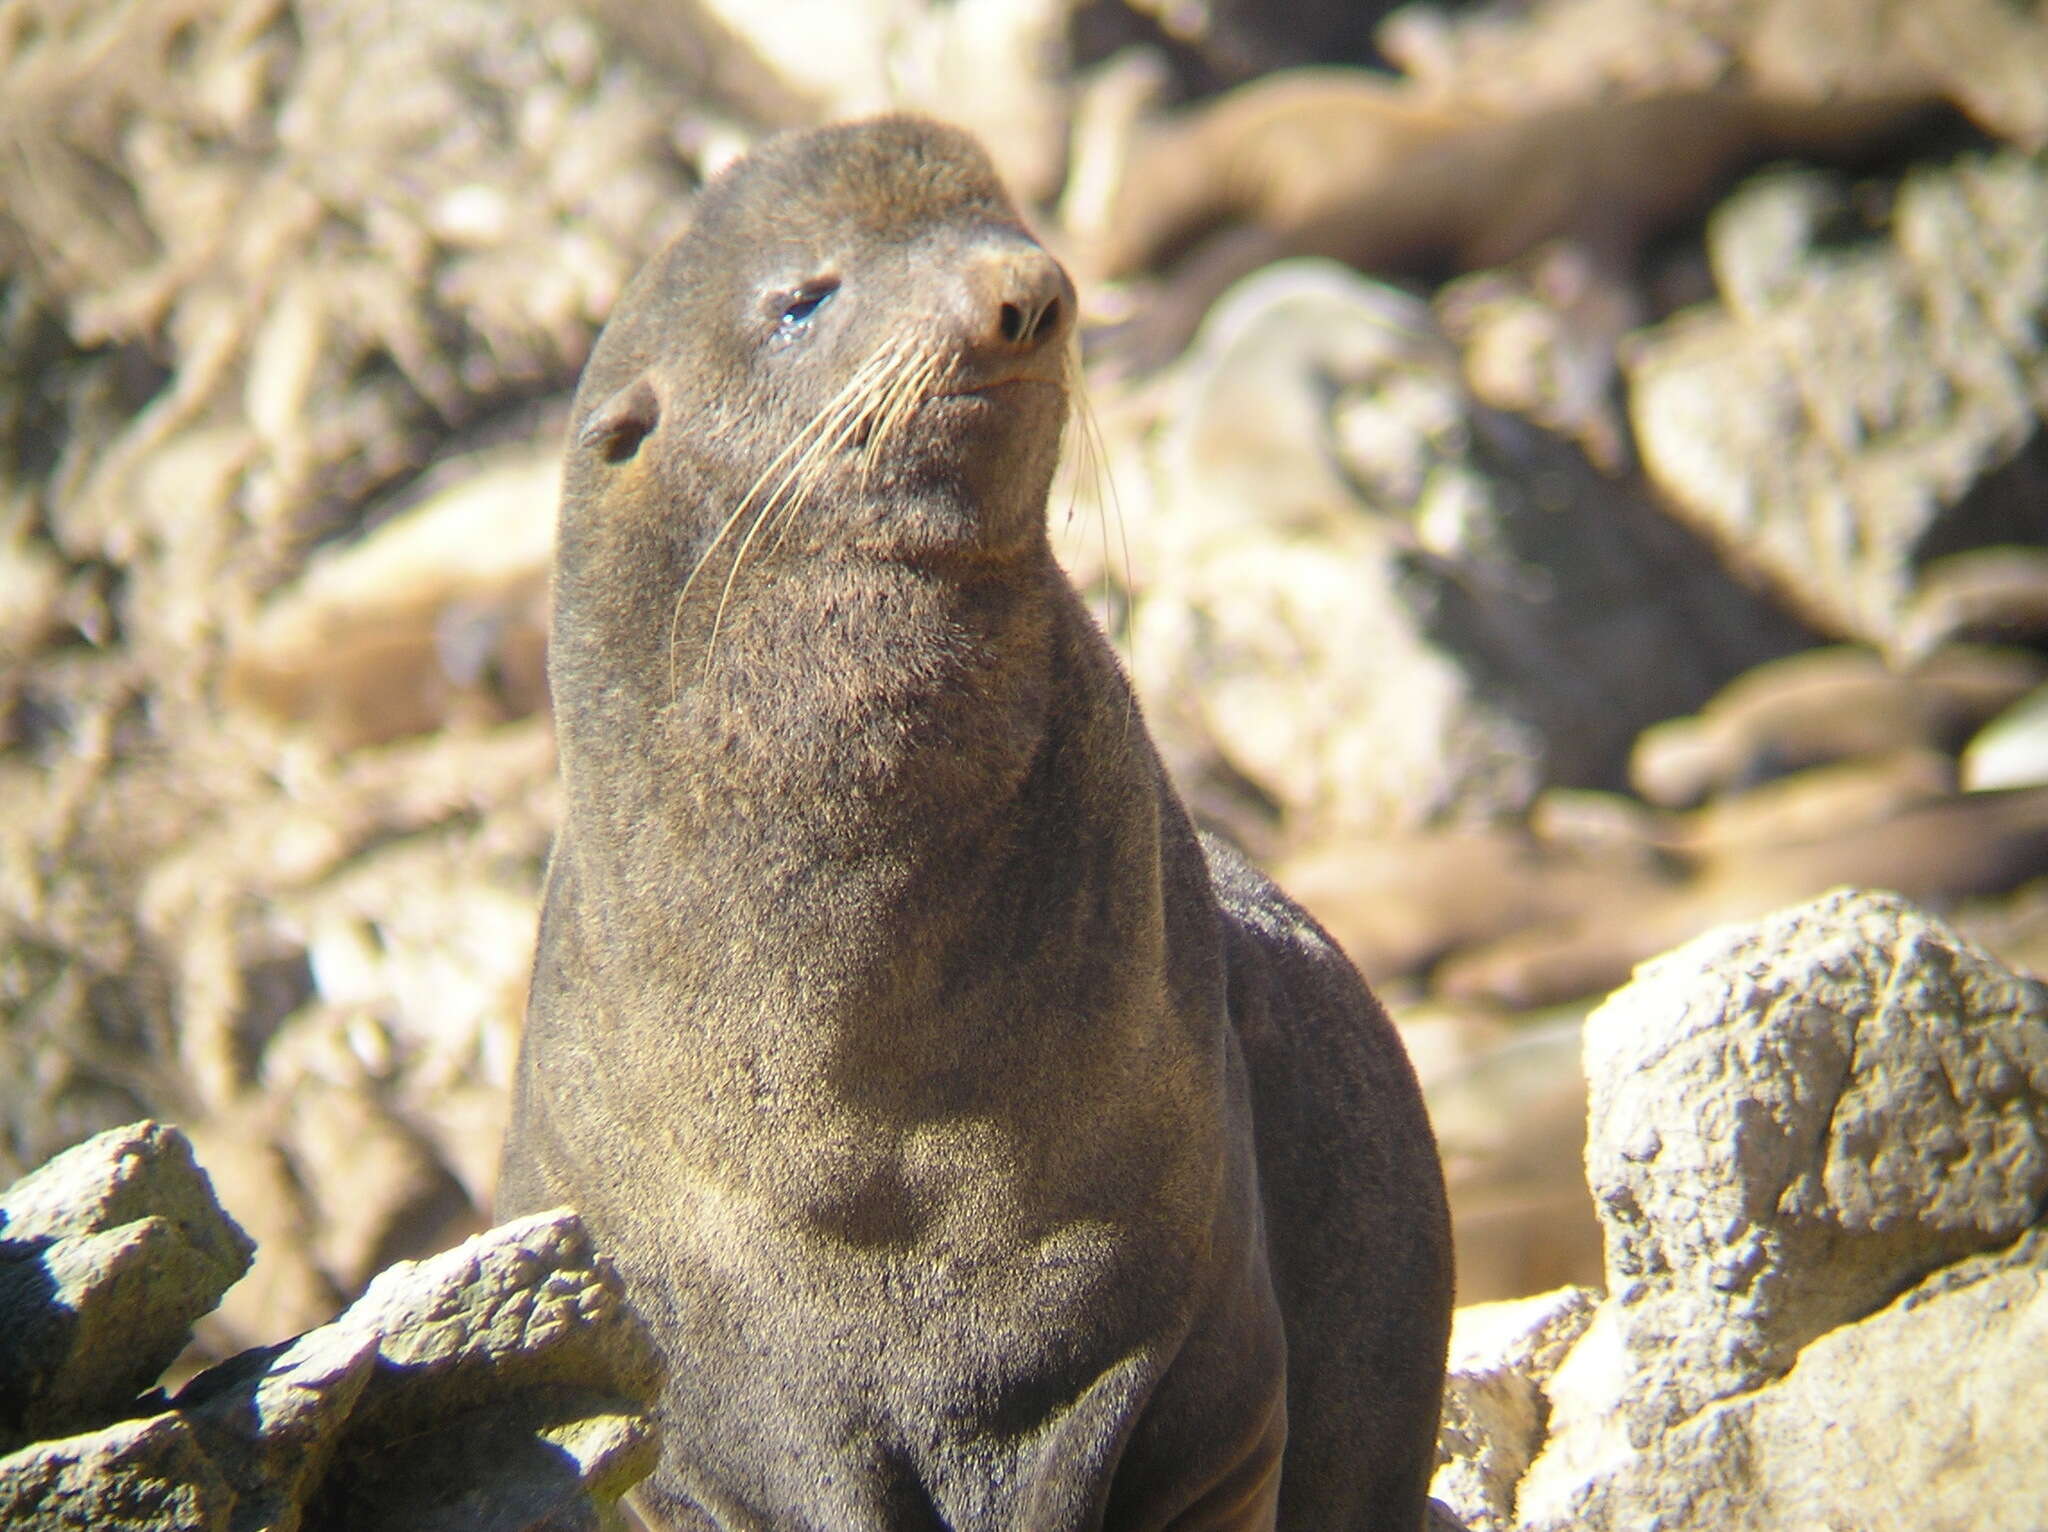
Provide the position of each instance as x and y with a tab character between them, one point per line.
897	857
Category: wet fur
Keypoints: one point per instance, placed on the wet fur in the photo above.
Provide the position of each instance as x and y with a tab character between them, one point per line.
985	1149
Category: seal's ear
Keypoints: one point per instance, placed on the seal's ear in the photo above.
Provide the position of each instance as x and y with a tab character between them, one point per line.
618	426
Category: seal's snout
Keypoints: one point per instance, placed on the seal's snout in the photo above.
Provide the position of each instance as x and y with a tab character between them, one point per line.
1018	301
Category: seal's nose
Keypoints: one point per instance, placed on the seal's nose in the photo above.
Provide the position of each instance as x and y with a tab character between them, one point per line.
1019	299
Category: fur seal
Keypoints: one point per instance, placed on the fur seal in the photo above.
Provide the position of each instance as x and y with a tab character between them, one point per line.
984	1148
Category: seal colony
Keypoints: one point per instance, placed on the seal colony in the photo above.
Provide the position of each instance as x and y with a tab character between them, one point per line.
983	1147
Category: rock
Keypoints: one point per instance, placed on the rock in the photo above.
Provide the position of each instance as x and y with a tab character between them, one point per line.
500	1386
139	1476
1791	1124
1930	1404
1495	1410
438	616
108	1254
2011	750
1825	705
1819	1147
1847	412
1380	607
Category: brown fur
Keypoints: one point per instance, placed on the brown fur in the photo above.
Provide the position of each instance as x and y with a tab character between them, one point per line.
985	1149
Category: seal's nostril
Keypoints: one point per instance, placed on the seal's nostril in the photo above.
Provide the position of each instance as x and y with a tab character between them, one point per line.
1023	323
1014	296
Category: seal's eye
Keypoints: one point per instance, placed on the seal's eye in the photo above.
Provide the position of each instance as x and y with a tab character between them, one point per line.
799	304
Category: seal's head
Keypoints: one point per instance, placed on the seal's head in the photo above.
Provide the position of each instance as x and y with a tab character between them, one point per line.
855	345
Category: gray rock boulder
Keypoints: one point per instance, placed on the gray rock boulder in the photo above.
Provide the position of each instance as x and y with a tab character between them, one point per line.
1850	414
108	1254
1377	605
499	1386
1791	1123
1927	1414
1819	1149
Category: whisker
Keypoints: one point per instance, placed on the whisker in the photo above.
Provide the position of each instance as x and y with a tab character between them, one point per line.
1094	449
1107	507
860	414
799	448
828	433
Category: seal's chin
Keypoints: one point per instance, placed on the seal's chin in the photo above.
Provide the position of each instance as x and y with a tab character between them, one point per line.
975	467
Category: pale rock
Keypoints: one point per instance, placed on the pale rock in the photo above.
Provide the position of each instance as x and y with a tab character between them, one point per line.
108	1254
1846	409
1379	605
1495	1408
1791	1123
1925	1415
2011	750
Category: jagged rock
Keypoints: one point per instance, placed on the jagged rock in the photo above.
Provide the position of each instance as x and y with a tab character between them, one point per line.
1820	1149
1363	597
1495	1409
1928	1410
498	1387
138	1476
1849	414
107	1255
1791	1124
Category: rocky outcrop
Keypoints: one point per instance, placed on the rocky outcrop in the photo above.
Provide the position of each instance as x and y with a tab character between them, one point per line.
496	1387
1359	595
1852	413
107	1255
1819	1149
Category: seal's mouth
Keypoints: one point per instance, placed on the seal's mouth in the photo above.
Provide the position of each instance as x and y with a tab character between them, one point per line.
1000	386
